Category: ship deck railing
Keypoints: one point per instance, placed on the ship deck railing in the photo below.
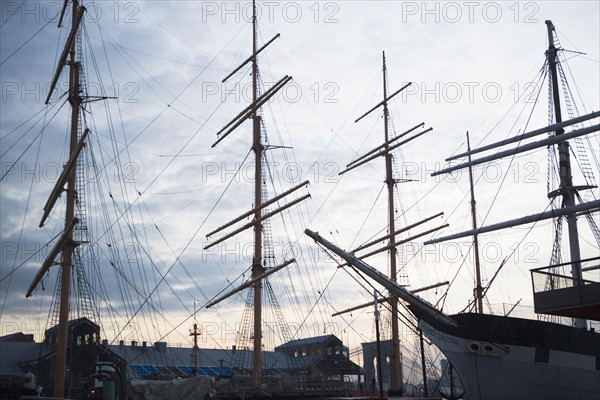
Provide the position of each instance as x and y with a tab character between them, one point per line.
556	292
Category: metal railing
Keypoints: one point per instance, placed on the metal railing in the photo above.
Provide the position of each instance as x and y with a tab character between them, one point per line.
547	278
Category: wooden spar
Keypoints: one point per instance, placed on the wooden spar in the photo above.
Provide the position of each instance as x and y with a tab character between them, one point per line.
478	288
384	248
62	179
62	13
250	110
50	258
435	285
513	307
387	299
250	282
257	221
265	204
363	305
244	113
66	51
250	58
385	100
521	221
541	143
381	239
395	146
422	124
416	302
528	135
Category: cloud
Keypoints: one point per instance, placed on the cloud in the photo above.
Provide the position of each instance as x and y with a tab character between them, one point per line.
157	175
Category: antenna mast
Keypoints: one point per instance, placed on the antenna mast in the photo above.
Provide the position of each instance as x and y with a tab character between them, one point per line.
195	333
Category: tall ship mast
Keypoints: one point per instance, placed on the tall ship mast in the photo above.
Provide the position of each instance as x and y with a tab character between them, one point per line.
385	150
258	213
478	291
499	357
67	242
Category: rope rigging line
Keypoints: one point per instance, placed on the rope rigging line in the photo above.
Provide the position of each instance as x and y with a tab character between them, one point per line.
11	15
113	141
123	215
42	130
164	58
514	103
23	123
213	208
173	34
303	322
320	207
181	263
271	180
367	219
162	171
21	230
179	326
117	47
143	294
366	285
29	258
28	40
131	59
181	253
541	76
290	289
175	97
514	155
141	270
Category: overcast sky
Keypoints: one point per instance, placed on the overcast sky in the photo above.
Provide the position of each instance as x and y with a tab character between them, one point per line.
474	67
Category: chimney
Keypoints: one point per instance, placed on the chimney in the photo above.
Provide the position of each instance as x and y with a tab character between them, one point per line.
121	344
105	343
133	343
160	347
144	344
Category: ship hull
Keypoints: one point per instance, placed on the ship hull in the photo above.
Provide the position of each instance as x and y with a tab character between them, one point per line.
512	358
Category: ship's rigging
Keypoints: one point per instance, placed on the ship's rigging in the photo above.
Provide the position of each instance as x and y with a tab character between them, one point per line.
140	272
